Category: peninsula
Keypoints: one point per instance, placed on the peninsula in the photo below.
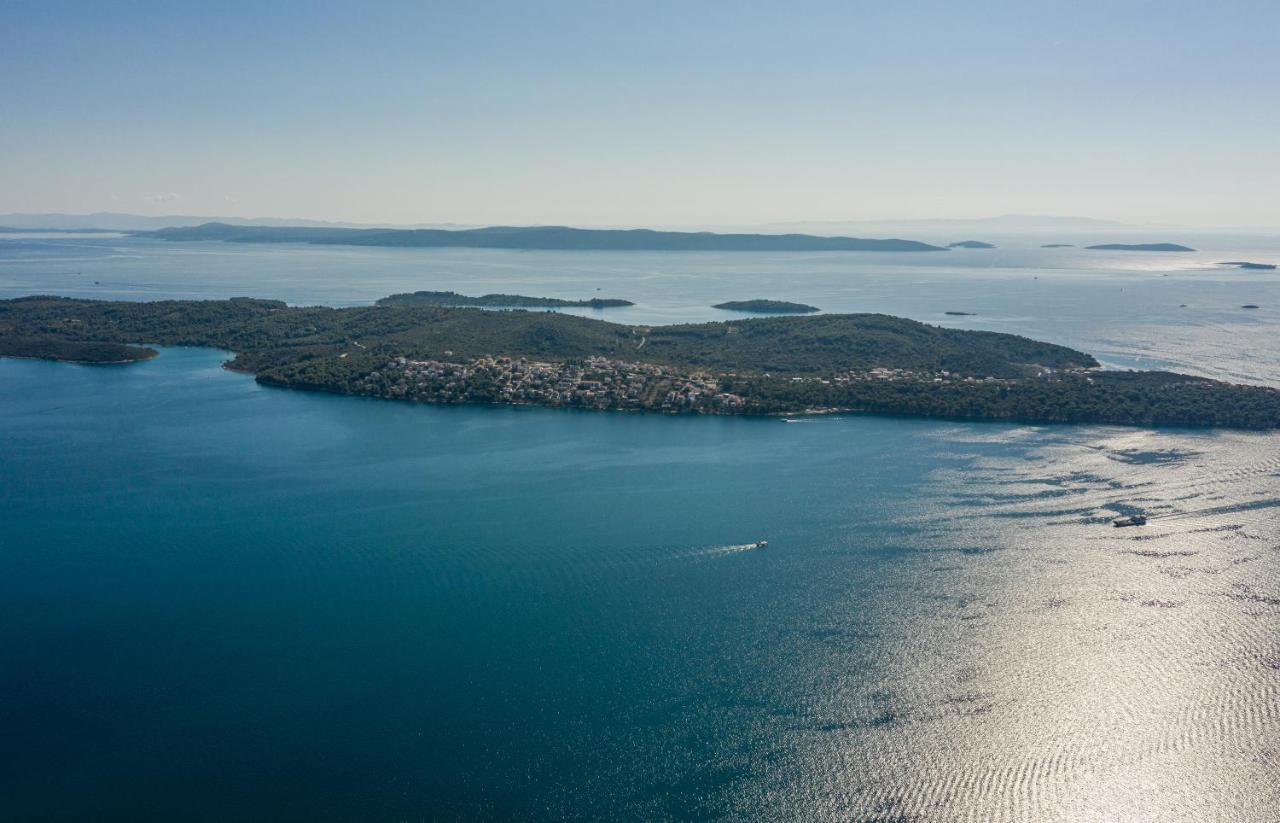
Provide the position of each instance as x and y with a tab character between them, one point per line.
767	307
506	301
867	363
1140	247
534	237
43	347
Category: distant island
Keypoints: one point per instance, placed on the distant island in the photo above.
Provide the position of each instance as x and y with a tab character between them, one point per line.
855	363
1058	246
535	237
1245	264
1140	247
970	244
959	313
450	298
767	307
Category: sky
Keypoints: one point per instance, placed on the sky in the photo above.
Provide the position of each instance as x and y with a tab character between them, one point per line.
644	113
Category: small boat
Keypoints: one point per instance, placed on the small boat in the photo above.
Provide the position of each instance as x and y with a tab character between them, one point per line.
1135	520
760	544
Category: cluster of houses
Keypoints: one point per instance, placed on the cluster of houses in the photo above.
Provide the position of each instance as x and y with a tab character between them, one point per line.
601	383
596	382
913	375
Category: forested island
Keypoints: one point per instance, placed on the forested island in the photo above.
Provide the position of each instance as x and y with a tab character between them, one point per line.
535	237
506	301
1139	247
970	244
778	365
767	307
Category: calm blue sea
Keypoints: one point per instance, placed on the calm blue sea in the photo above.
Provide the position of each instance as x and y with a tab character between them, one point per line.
222	601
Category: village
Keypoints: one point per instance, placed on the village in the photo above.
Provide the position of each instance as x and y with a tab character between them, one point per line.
596	382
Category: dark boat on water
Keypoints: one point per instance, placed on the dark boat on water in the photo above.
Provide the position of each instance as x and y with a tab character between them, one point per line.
1135	520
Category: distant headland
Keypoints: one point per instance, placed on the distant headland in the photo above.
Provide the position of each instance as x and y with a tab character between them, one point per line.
535	238
42	347
1140	247
970	244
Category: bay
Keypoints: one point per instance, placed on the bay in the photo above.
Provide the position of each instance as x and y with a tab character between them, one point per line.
219	600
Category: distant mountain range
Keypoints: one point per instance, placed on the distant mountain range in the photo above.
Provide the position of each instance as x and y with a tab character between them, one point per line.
536	237
1009	223
29	230
116	221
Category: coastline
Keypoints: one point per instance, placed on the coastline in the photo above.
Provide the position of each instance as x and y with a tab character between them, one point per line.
810	412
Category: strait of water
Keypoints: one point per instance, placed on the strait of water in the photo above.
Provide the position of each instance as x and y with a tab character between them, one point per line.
222	601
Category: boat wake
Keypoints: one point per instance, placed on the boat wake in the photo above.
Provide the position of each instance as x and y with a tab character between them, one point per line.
721	551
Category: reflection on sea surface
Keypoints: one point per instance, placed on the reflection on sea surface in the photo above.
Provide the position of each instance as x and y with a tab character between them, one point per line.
1038	664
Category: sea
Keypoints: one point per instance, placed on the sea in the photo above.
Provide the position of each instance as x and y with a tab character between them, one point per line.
222	601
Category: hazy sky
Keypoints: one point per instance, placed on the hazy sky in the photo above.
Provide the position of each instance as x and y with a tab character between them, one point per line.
644	112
